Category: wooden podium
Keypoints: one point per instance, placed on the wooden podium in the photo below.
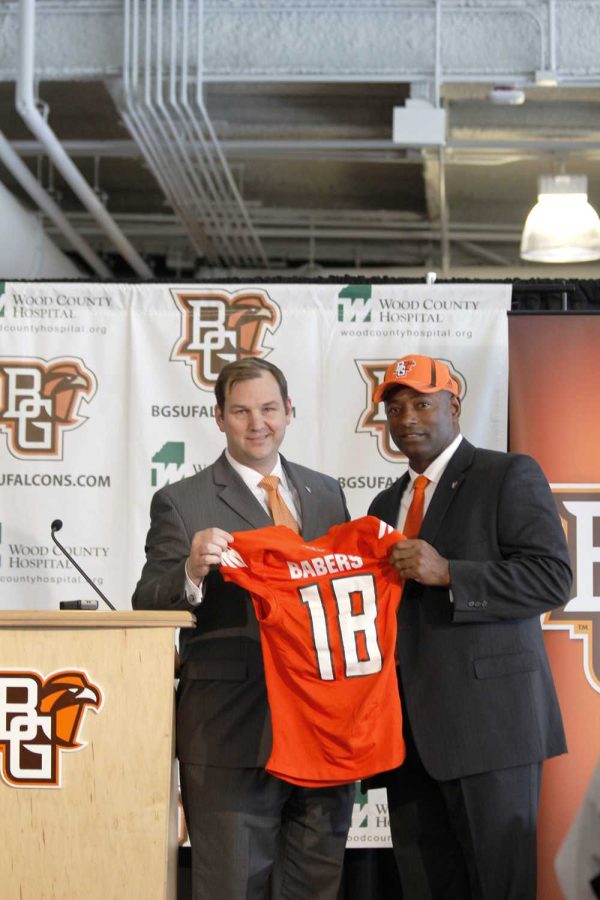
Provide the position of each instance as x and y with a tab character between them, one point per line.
88	791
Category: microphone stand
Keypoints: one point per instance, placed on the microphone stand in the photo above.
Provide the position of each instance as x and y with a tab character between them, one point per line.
56	526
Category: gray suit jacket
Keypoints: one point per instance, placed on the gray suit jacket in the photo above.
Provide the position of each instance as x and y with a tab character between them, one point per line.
475	676
222	712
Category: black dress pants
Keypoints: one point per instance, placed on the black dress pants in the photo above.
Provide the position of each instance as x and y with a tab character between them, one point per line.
255	837
471	838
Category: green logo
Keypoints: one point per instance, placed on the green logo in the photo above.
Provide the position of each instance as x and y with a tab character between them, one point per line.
2	299
361	807
355	303
167	463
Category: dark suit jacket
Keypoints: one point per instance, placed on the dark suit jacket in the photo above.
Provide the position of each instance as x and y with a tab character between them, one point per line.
222	712
476	681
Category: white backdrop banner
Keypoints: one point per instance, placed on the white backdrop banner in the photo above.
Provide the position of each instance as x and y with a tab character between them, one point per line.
106	395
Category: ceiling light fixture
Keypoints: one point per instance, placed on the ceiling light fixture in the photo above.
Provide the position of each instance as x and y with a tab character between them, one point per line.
562	227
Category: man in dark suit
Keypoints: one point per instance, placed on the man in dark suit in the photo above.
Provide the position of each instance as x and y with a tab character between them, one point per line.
253	836
480	709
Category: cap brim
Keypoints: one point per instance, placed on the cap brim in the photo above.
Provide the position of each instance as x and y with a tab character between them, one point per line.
416	386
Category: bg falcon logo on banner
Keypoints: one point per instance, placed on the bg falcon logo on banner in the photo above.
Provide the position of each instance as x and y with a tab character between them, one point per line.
372	419
218	328
39	401
39	718
579	510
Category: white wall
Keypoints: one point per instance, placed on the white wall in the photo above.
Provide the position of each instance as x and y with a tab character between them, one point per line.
26	251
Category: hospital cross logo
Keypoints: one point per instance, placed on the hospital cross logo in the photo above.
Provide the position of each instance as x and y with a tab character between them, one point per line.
218	327
40	717
39	401
372	419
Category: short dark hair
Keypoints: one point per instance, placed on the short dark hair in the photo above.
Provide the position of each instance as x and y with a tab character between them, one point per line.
244	370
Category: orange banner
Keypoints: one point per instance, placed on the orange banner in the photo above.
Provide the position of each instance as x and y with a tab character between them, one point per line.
554	415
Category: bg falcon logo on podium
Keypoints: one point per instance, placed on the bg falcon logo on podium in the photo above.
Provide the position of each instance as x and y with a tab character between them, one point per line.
40	400
218	327
40	717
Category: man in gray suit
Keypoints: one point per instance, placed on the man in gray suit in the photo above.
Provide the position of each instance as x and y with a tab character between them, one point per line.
480	709
253	836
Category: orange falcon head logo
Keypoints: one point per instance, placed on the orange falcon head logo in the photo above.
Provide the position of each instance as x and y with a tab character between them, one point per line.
39	718
218	327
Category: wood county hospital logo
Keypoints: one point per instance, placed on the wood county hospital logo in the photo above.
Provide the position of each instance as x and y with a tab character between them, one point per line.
40	400
40	717
218	327
373	419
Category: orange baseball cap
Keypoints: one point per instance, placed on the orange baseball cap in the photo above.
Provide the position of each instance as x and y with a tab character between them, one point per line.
422	373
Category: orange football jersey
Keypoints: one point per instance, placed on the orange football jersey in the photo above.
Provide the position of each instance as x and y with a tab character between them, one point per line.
327	611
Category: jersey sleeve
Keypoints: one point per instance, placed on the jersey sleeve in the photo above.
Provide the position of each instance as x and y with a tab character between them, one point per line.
243	564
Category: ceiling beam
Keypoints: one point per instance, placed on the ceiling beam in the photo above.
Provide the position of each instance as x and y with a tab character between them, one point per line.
345	40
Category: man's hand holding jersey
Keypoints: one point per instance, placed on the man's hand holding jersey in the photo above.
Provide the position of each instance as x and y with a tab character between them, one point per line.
420	561
206	550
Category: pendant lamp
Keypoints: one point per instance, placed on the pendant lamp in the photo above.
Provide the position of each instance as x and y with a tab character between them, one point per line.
562	227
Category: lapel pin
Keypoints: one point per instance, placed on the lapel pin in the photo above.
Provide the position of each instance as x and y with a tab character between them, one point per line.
308	489
454	484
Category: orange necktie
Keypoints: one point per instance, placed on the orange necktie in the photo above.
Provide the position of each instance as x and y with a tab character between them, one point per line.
414	516
279	511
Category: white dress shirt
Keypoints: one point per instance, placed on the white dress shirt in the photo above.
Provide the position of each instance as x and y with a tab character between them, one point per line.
433	472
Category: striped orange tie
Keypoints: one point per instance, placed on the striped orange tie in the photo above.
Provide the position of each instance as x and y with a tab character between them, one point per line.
279	511
414	516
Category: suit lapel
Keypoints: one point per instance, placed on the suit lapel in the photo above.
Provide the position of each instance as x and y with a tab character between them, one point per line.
446	490
388	511
232	491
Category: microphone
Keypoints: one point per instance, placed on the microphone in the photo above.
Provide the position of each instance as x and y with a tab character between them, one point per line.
56	526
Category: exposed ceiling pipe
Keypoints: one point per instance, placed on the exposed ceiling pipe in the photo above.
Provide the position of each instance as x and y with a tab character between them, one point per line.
167	154
44	201
382	150
208	204
444	217
176	135
483	253
437	73
147	128
25	103
202	147
218	163
160	138
274	224
443	199
552	35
